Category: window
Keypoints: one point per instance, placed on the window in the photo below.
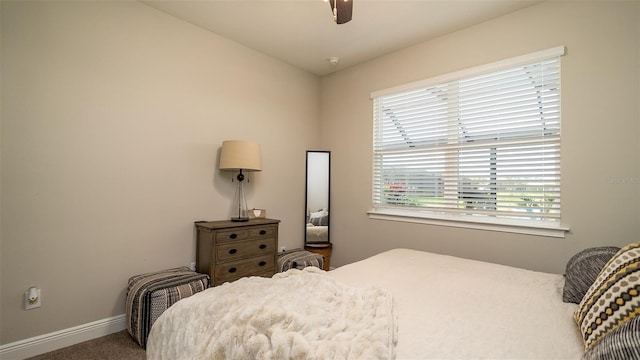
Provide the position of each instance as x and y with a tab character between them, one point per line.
478	146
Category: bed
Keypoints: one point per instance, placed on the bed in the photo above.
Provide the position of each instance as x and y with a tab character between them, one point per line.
318	226
417	305
317	233
453	308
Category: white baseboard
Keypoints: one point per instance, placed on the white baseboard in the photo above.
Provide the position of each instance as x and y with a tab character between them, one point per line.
56	340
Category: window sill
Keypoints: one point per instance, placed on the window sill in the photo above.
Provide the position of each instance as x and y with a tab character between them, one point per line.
469	222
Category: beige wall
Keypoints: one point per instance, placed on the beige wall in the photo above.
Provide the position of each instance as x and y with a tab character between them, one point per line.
112	117
600	133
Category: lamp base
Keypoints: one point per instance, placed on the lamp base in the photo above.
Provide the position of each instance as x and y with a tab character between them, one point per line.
239	219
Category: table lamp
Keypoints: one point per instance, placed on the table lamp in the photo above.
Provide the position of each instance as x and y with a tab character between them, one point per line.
240	155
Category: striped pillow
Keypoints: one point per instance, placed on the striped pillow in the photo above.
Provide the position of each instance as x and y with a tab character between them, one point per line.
621	343
583	269
613	299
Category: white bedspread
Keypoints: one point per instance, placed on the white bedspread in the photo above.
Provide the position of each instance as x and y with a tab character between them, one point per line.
296	315
452	308
316	234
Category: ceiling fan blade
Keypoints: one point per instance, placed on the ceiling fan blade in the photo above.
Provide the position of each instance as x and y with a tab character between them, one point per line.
345	9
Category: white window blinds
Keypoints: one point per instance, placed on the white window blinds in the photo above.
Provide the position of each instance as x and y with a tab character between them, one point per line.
480	143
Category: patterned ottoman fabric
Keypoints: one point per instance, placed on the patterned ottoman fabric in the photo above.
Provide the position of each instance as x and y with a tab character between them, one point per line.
149	295
298	259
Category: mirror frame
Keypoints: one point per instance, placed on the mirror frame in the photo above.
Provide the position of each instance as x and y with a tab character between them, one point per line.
306	198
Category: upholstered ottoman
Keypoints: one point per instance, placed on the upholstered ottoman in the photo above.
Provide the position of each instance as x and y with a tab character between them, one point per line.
298	259
149	295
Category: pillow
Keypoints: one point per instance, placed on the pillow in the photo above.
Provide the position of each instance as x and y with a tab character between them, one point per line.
319	218
622	343
613	299
582	270
320	221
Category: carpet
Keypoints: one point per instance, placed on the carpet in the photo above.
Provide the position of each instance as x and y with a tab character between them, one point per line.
117	346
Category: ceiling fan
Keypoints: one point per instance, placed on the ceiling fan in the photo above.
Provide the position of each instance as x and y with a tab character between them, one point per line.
341	10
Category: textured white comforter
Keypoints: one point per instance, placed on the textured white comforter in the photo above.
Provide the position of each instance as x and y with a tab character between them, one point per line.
296	315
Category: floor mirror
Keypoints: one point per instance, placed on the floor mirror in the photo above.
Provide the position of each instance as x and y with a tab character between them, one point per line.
317	204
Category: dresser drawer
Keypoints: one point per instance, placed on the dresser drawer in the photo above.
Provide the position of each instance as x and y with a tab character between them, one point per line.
233	235
246	233
217	282
230	251
237	269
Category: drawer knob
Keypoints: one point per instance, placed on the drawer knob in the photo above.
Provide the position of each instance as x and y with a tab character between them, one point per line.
232	270
262	263
262	232
233	236
262	246
233	251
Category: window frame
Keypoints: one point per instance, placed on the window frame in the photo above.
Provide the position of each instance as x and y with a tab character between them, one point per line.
426	216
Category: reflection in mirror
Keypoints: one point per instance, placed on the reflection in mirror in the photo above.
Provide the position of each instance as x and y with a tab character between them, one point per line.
317	198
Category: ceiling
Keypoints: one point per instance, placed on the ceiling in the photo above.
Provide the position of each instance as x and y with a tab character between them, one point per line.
302	32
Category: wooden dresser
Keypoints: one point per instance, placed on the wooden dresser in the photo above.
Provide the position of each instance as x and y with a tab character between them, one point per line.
228	250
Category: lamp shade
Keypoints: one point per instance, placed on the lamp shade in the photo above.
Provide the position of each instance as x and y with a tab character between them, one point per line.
240	154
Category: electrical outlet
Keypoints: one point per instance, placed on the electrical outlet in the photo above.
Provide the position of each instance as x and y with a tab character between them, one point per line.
32	298
283	248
